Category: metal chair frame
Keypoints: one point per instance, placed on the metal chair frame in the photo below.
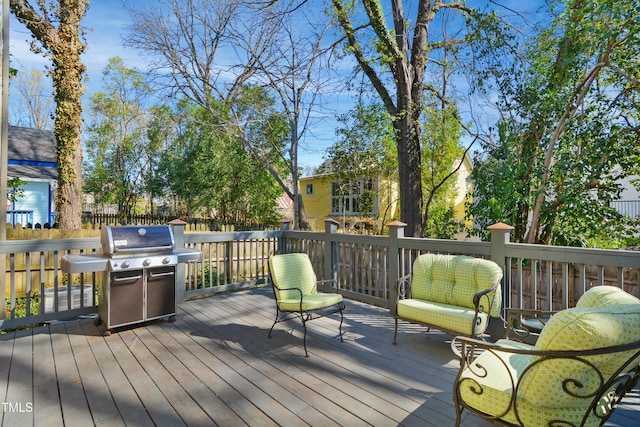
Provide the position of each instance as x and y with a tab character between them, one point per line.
306	315
614	386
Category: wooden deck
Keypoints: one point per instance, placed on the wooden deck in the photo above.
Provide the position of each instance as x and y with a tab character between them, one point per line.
216	366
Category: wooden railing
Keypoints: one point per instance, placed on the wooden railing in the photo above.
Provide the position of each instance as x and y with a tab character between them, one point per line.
366	268
21	217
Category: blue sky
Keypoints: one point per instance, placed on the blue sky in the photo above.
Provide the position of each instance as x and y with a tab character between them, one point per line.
106	21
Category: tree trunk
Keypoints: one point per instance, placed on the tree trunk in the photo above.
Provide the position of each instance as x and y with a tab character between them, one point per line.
64	46
410	175
67	78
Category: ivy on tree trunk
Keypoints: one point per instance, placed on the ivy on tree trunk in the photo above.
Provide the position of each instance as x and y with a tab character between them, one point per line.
56	34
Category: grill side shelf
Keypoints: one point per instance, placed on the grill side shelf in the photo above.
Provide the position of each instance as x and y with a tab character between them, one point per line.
188	255
84	263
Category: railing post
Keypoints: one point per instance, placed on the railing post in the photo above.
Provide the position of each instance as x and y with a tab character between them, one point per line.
396	232
330	251
500	235
181	276
285	225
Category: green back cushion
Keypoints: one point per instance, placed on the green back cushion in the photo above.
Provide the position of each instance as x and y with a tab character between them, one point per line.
292	271
605	296
450	279
587	326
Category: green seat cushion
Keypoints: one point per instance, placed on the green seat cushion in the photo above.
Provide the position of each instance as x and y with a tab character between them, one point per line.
310	302
444	316
454	280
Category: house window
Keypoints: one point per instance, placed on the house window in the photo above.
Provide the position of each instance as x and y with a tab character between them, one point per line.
352	197
309	189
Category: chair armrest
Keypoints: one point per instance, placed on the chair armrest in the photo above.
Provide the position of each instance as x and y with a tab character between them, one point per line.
477	298
333	284
287	289
525	324
469	349
403	287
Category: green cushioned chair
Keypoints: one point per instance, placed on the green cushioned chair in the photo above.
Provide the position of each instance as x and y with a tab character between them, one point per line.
454	293
295	288
583	363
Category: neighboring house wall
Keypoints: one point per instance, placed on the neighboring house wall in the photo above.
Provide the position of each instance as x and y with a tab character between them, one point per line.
316	196
629	201
630	192
32	158
38	198
463	189
318	201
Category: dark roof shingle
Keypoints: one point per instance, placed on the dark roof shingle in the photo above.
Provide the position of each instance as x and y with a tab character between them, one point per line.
31	153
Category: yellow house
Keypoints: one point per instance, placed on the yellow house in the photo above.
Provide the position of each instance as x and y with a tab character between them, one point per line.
371	201
464	188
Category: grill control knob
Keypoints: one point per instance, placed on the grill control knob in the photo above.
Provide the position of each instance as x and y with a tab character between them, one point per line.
125	264
166	260
146	262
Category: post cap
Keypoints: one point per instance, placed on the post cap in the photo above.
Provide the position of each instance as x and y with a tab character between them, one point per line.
396	224
500	226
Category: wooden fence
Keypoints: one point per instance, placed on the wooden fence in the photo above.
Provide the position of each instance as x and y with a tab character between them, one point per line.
365	266
97	220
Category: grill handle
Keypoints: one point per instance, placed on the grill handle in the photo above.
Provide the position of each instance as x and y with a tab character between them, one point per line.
170	273
137	250
126	279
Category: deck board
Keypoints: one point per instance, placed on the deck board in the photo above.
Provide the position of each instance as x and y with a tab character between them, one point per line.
20	378
45	387
215	365
125	398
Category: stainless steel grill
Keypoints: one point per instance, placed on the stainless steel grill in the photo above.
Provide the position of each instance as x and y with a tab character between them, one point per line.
139	264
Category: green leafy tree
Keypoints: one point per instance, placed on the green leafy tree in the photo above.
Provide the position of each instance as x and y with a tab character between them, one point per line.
364	150
442	156
209	172
209	51
161	131
365	144
570	129
15	191
398	58
117	146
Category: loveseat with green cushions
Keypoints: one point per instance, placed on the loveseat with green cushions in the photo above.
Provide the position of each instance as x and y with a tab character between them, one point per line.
454	293
583	363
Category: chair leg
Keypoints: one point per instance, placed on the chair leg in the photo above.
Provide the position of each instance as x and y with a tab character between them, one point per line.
341	306
275	321
459	408
458	416
395	333
304	326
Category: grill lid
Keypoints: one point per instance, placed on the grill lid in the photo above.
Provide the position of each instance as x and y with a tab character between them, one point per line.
136	239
